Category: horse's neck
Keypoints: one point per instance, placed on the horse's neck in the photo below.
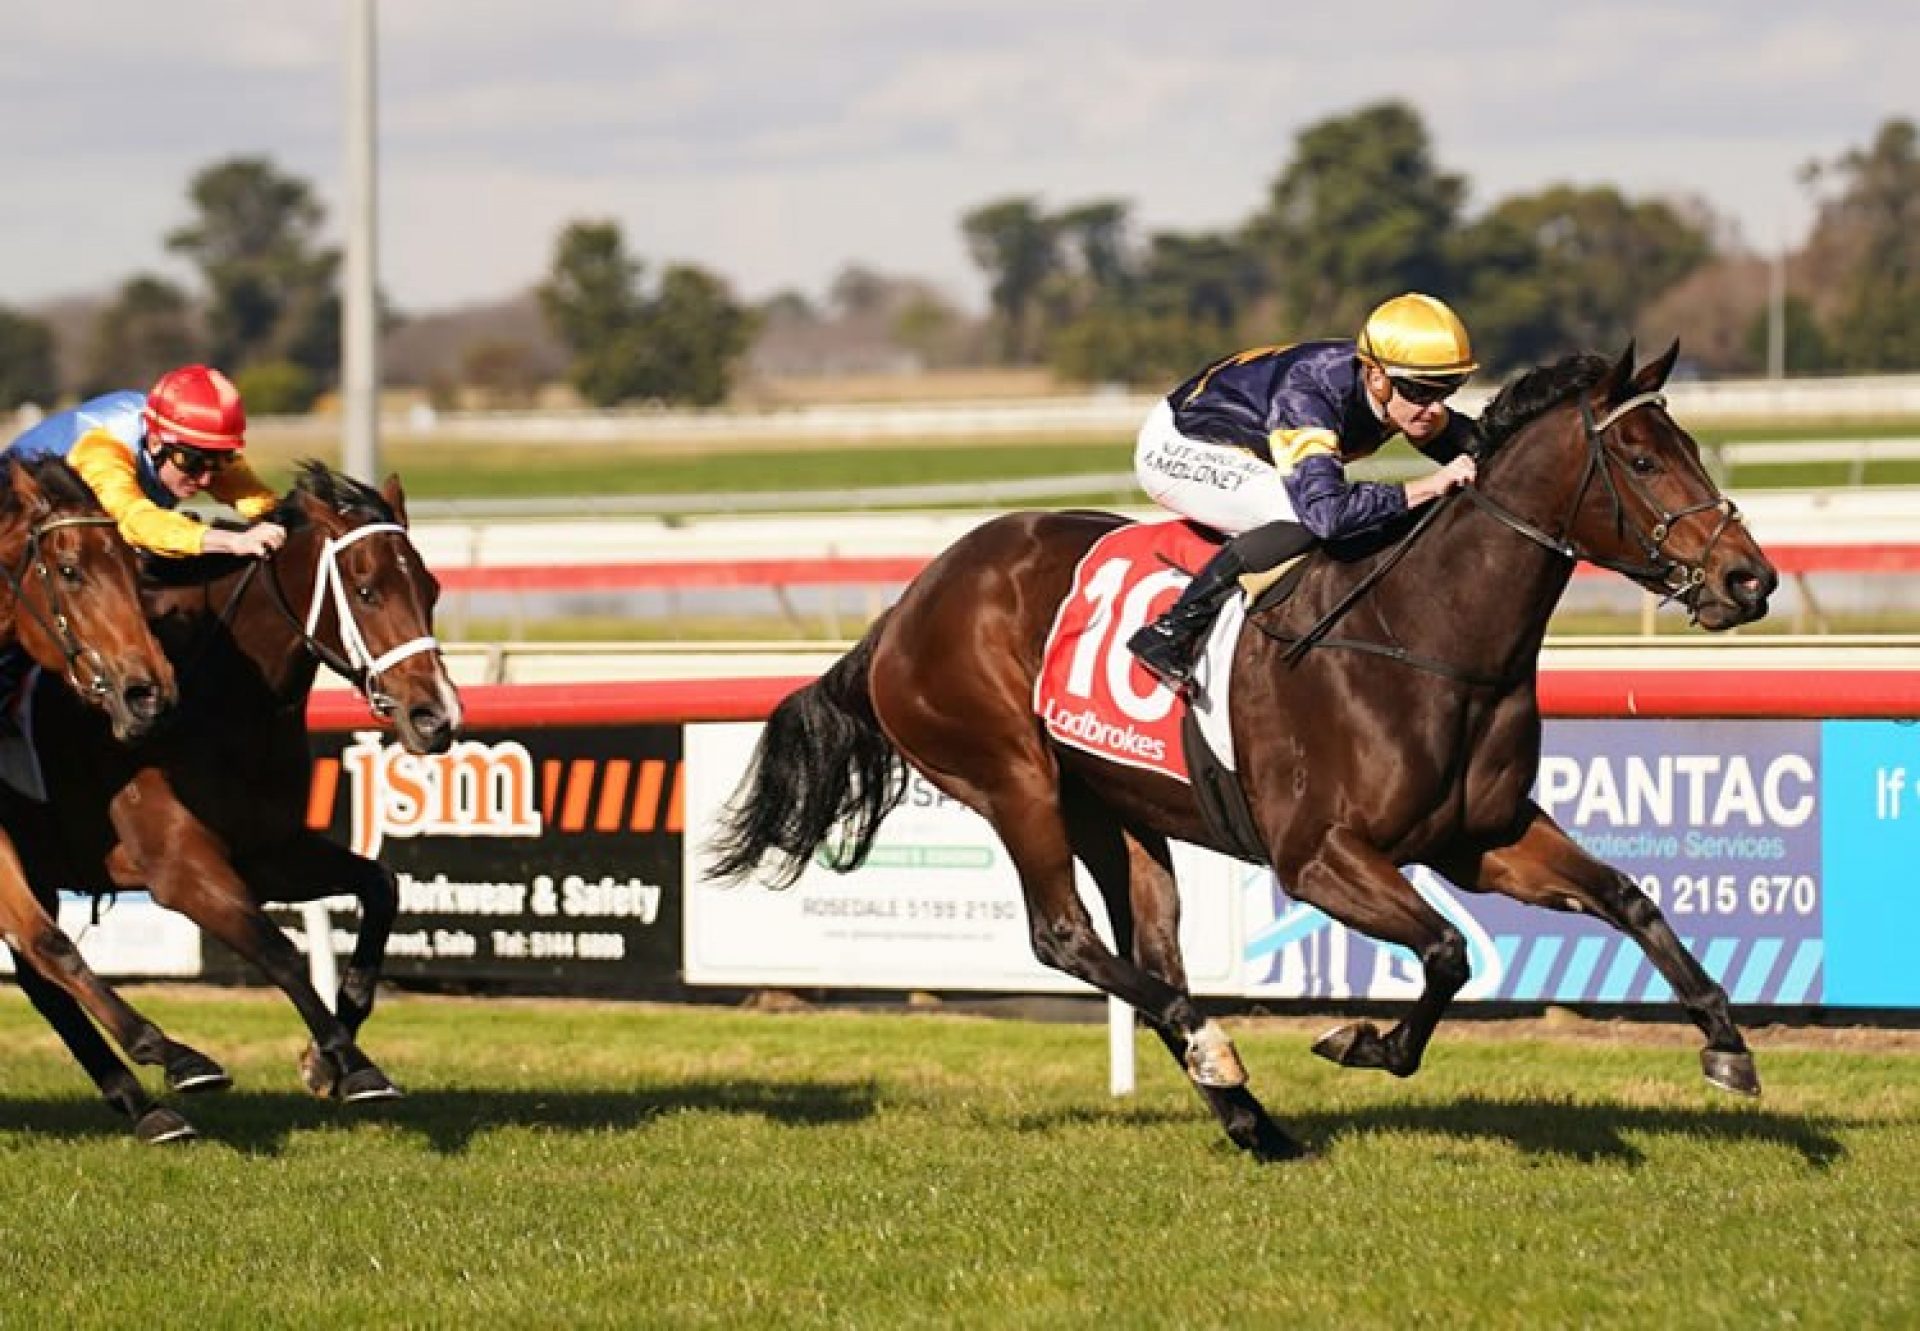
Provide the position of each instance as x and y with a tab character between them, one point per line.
265	639
1479	594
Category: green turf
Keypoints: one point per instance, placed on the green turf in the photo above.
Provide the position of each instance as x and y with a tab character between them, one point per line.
589	1165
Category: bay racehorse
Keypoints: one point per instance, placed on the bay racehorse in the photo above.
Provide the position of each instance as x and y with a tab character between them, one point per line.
1385	715
210	815
70	602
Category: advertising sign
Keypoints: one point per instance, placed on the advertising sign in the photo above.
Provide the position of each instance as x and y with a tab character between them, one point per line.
1872	814
1719	824
1778	851
937	905
126	937
549	858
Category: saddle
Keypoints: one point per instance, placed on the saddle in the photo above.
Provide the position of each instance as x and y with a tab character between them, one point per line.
1093	696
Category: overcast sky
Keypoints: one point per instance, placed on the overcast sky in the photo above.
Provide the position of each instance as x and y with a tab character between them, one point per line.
775	141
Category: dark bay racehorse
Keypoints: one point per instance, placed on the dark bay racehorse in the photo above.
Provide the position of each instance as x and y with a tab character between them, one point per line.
71	602
210	815
1409	735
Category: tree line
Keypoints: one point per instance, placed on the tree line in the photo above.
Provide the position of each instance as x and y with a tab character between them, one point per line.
1360	210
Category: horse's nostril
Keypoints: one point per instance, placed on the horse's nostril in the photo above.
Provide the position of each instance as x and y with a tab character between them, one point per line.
143	699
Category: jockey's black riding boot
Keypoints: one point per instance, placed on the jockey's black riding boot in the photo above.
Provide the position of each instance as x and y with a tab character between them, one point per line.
1170	646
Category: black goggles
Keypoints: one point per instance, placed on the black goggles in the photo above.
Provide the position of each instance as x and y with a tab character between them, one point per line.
195	462
1423	393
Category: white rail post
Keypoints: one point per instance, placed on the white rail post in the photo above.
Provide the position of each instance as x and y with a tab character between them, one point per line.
1119	1048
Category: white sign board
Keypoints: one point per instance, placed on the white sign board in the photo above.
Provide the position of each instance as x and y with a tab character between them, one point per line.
937	905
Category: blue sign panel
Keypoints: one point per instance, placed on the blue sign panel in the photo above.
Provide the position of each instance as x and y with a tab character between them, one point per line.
1871	794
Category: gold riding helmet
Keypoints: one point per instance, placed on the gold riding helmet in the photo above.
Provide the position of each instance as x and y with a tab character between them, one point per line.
1417	339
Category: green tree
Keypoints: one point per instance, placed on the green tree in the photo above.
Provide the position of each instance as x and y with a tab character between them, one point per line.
1568	269
1093	240
1875	224
147	331
681	344
1210	280
1017	246
277	388
27	369
1360	213
271	287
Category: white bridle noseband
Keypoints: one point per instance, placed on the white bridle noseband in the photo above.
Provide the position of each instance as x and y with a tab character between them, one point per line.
329	585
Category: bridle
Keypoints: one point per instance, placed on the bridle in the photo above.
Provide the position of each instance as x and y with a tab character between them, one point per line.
1681	579
356	662
54	618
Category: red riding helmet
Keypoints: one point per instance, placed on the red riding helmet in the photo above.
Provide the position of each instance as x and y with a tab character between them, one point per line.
197	406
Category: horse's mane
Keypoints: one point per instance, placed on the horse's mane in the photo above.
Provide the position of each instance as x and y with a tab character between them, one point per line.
53	475
342	494
1519	403
1537	392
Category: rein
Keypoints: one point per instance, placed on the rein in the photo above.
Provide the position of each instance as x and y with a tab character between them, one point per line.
54	619
1679	577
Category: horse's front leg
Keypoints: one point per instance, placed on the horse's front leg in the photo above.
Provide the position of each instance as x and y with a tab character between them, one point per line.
309	867
1545	867
45	952
154	1124
1362	889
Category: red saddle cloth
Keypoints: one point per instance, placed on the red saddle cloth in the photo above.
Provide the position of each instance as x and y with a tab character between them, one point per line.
1092	693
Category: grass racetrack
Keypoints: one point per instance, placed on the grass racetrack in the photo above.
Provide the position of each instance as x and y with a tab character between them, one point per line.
570	1164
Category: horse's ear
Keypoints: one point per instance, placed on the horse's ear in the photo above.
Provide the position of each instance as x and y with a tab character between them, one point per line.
1654	373
27	492
1613	388
396	497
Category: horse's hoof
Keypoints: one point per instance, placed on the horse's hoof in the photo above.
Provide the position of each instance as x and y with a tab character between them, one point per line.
190	1072
1338	1044
1272	1146
1213	1062
160	1125
317	1073
1731	1072
366	1086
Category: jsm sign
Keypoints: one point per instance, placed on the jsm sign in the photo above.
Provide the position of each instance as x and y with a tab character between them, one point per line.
549	859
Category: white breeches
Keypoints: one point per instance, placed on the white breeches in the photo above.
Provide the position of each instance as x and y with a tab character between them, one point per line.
1224	488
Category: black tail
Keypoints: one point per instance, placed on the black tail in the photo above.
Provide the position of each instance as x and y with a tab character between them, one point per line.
823	761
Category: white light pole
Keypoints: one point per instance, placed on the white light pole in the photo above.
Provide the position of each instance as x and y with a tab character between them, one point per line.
1777	313
360	320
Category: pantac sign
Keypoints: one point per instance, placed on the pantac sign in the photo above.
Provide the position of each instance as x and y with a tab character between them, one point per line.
472	790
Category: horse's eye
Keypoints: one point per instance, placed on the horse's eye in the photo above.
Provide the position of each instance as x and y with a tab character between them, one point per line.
365	593
70	572
1644	463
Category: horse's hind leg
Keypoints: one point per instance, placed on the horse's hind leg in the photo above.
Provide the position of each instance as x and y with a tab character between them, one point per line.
154	1124
189	874
1135	878
996	763
1358	886
310	867
1546	867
